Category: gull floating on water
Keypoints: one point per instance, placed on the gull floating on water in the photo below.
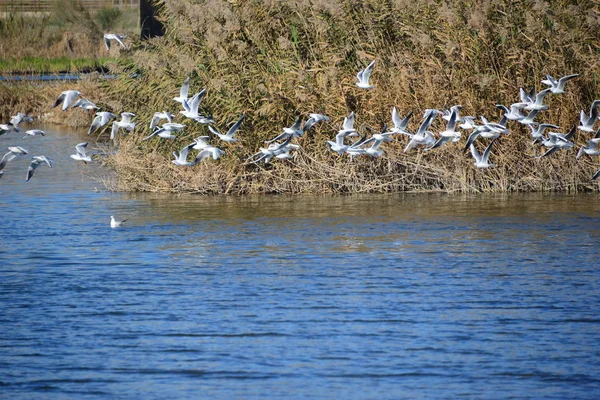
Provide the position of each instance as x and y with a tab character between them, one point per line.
183	92
80	154
228	137
35	162
124	123
116	223
33	132
558	86
363	77
101	119
113	36
66	98
482	161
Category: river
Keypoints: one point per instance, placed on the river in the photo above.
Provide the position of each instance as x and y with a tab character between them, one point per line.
408	296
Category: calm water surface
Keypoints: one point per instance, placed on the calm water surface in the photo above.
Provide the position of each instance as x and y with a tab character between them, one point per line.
366	297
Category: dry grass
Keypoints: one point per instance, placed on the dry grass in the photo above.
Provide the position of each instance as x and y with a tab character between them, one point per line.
274	60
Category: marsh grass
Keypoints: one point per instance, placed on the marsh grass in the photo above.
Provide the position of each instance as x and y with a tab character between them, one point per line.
274	60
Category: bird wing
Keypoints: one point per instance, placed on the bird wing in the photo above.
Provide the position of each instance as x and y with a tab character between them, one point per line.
475	153
183	92
114	130
6	159
368	71
107	43
69	97
571	133
486	152
236	126
155	120
59	99
96	123
348	124
118	39
156	132
80	148
564	79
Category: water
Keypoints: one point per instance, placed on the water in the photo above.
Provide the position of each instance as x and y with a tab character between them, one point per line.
361	297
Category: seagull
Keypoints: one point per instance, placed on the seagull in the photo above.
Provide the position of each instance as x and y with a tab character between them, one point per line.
400	123
482	161
20	117
274	150
228	137
338	146
166	130
423	136
80	154
113	36
526	97
557	141
447	114
538	132
593	146
114	223
489	130
35	162
13	151
124	123
468	123
364	75
514	114
373	150
348	125
191	106
537	103
183	92
8	128
66	98
312	120
33	132
449	134
529	119
158	116
85	104
101	119
293	131
588	121
558	87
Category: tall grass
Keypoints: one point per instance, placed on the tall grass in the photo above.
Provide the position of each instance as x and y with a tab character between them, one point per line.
274	60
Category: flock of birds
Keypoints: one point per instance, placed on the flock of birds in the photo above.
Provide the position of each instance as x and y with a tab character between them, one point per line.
281	146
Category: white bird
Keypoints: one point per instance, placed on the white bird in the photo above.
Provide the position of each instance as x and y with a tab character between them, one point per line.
33	132
191	106
482	161
312	120
449	134
348	125
538	132
84	104
526	97
423	136
400	123
200	143
447	114
589	120
373	150
101	119
181	156
592	148
468	123
66	98
558	87
113	36
293	131
166	130
514	114
115	223
339	146
80	154
537	103
124	123
183	92
529	119
35	162
274	150
363	77
20	117
13	151
489	130
557	141
158	116
228	137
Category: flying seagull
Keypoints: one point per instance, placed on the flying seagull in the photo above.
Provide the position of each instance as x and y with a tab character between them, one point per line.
113	36
66	98
228	137
363	77
101	119
35	162
33	132
80	154
183	92
482	161
124	123
558	86
13	151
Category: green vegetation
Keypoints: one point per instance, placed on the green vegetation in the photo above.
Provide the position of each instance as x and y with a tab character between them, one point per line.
39	65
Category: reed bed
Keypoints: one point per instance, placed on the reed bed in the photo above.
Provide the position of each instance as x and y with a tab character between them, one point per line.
274	60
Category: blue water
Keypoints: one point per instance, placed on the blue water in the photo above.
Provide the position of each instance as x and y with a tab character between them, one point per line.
360	297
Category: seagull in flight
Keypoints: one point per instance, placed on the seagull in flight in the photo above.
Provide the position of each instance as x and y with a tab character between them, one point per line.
191	107
124	123
80	154
558	86
312	120
13	151
66	98
228	137
450	133
101	119
423	136
536	104
363	77
35	162
557	141
166	131
116	223
8	128
482	161
113	36
183	92
158	116
85	104
20	117
181	156
588	120
592	148
400	123
33	132
538	132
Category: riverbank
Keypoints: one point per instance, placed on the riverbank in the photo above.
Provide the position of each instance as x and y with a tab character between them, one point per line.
276	65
